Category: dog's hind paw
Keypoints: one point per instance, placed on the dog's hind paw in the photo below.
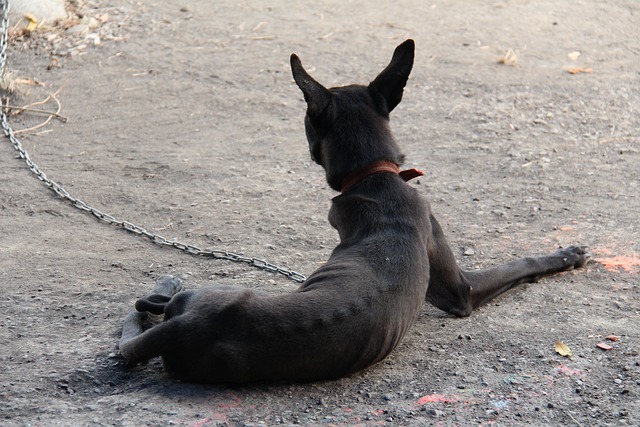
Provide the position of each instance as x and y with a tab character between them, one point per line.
167	285
573	257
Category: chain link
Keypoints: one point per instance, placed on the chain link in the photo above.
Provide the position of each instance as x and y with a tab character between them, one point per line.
5	36
105	217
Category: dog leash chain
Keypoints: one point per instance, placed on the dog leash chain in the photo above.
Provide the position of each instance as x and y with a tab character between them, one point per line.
105	217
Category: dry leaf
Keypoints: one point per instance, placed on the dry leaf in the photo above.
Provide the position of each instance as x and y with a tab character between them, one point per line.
612	338
33	22
509	58
29	82
604	346
576	70
563	350
574	55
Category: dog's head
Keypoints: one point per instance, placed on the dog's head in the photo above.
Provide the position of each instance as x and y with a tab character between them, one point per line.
348	127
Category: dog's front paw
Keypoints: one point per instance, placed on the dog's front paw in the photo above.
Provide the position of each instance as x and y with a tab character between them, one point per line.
573	257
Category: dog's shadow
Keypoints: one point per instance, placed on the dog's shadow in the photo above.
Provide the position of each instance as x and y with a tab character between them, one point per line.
110	375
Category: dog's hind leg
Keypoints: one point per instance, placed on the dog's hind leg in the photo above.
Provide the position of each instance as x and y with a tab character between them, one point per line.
165	288
167	285
460	292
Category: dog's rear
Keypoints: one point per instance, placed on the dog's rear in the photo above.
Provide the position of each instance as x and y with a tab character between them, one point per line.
352	311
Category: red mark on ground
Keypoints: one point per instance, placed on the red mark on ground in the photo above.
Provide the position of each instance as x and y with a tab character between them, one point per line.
437	398
202	423
561	369
629	263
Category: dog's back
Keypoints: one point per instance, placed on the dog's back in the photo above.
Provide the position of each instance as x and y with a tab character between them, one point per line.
348	315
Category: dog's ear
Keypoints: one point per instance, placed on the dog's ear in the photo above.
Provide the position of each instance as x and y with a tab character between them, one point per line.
391	81
316	95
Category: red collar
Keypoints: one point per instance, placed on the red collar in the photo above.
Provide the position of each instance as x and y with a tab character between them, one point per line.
378	167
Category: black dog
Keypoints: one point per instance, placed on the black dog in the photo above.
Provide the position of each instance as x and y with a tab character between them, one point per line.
356	308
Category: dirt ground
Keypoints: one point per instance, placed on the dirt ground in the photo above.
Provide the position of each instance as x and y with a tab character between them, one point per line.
183	118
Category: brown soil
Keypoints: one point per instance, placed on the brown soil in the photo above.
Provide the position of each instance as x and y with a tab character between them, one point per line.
186	121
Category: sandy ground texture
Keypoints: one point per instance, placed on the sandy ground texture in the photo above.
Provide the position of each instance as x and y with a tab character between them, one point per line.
183	118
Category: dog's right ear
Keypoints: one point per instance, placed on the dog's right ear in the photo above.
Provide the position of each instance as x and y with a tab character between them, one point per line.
316	96
391	81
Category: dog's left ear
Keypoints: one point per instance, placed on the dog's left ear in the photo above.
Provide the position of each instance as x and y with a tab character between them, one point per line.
316	95
391	81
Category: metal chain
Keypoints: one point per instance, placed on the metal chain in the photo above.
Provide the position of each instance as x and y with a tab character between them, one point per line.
105	217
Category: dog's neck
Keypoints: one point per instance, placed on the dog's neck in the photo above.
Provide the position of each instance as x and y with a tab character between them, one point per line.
374	168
